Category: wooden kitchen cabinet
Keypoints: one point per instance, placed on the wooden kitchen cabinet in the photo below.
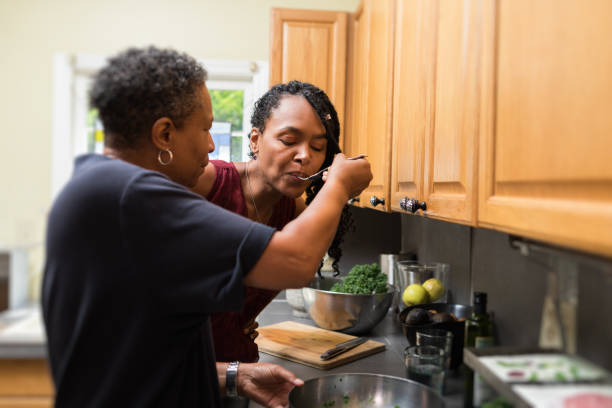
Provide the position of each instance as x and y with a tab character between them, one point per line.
370	94
546	122
311	46
25	383
412	98
435	107
495	113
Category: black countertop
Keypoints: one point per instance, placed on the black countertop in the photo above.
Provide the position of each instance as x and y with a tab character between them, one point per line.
388	362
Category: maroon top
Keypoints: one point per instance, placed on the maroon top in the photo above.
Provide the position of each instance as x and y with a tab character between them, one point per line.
228	328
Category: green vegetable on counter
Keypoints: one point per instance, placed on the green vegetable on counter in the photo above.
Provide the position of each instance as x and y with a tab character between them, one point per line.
362	279
499	402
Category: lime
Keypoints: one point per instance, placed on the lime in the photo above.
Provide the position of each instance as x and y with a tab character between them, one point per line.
434	288
415	294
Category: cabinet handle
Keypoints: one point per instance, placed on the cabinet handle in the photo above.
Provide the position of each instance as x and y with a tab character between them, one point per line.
375	201
354	200
412	205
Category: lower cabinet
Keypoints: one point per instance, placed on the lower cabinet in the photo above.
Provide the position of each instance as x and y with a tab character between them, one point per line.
25	383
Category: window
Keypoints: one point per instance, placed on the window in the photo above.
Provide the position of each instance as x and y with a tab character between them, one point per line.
234	86
230	126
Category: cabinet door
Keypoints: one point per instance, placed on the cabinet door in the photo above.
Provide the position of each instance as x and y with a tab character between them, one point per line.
26	402
310	46
356	92
413	93
546	144
377	61
450	173
25	383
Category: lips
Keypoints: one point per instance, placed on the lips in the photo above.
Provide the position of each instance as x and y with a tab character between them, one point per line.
295	174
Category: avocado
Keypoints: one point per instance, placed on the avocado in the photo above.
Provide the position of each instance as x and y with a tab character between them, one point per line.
418	316
442	317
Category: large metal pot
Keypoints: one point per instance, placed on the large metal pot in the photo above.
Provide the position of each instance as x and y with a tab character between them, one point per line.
363	390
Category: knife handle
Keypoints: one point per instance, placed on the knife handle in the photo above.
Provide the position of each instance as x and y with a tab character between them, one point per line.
332	353
342	347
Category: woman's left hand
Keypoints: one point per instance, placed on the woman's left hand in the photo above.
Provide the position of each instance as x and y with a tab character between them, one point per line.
267	384
250	331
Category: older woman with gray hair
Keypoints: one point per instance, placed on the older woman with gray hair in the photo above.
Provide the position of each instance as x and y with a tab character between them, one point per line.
136	262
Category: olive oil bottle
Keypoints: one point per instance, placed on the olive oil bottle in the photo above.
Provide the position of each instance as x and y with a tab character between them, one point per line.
478	334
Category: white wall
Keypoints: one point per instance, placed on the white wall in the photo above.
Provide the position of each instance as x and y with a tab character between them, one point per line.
32	31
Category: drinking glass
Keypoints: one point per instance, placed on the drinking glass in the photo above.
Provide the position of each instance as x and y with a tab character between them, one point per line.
442	339
401	277
437	270
407	273
425	364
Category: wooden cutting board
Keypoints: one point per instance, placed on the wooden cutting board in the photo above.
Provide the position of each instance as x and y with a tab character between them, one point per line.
304	344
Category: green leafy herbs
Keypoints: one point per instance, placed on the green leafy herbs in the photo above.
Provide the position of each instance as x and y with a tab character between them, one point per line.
362	279
499	402
329	403
514	364
574	372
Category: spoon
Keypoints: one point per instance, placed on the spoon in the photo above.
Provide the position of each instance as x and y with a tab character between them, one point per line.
320	172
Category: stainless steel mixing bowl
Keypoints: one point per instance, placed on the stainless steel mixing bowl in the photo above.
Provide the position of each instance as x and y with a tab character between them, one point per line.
363	390
345	312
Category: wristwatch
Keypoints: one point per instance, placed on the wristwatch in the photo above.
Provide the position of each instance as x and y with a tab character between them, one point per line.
230	379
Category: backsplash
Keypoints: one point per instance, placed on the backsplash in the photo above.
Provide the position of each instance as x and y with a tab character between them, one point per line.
483	260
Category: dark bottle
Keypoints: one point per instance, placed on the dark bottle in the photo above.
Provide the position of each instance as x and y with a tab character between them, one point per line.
478	334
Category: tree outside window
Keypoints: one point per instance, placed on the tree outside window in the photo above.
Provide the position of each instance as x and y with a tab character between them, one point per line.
228	107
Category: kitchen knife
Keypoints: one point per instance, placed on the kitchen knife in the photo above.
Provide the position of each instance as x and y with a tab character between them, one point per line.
342	347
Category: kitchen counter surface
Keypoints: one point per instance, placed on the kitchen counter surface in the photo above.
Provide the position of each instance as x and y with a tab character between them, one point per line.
388	362
22	336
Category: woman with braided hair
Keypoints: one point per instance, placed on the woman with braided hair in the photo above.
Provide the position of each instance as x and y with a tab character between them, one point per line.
295	132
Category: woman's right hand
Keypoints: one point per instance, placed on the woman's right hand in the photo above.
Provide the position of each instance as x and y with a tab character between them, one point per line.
354	175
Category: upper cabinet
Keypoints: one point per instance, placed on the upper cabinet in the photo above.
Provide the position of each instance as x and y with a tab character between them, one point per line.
492	113
412	99
310	46
370	95
546	124
436	107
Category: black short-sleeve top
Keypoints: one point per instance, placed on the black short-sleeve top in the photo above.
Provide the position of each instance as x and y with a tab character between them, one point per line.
135	263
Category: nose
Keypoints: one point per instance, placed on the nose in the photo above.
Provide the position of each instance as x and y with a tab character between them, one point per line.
211	143
303	153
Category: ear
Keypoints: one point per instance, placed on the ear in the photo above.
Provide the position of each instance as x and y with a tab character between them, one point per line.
162	133
254	140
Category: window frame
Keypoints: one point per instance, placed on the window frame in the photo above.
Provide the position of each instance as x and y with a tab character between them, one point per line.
72	76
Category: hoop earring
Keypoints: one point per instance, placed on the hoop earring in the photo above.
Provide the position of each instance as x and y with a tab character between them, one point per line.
159	157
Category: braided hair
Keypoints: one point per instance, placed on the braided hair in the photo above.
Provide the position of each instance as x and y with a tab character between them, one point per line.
329	118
